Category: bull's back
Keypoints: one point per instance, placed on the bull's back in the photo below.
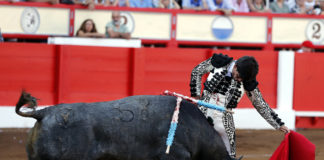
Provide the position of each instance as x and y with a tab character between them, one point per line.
131	128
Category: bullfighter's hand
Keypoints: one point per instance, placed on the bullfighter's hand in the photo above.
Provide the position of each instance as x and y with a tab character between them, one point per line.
284	129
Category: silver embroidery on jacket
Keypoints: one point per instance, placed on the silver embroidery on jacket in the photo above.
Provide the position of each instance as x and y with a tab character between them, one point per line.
262	107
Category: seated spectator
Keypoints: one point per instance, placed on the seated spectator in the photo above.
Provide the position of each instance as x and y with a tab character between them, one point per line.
195	4
291	4
107	2
44	1
123	3
115	29
1	37
89	3
169	4
279	7
102	2
88	29
240	6
179	2
113	2
141	3
318	8
258	6
309	5
224	6
299	8
307	46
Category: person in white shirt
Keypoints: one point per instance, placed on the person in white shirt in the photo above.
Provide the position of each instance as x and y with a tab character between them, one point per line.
224	6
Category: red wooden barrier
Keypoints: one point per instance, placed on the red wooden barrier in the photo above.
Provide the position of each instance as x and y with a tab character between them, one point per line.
90	74
308	88
308	85
29	66
65	74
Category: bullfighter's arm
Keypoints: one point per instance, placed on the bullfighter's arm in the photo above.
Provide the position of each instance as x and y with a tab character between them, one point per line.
263	108
196	75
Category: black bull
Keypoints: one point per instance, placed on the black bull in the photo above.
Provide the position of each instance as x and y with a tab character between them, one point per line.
133	128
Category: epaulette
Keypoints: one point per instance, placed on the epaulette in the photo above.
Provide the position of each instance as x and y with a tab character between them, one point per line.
220	60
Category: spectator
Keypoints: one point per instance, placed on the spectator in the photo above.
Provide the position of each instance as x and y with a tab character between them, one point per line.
318	8
169	4
141	3
88	29
257	6
195	4
123	3
89	3
299	8
309	5
279	7
1	37
224	6
179	2
290	3
240	6
307	46
113	2
115	29
102	2
44	1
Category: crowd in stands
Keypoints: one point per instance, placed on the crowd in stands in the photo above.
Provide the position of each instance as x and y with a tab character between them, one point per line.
114	29
226	6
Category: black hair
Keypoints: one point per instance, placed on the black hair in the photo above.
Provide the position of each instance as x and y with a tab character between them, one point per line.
247	68
83	27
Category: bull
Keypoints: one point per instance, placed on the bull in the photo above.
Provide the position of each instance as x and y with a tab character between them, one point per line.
132	128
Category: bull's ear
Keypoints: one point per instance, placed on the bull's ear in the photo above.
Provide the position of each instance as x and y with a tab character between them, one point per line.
220	60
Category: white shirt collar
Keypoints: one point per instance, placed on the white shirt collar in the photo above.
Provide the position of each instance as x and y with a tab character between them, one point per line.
230	69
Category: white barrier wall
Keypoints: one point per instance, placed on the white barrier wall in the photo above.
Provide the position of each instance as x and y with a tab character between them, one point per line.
34	20
296	30
151	24
104	42
191	27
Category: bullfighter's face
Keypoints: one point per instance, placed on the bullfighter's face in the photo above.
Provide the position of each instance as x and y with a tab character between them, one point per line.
236	74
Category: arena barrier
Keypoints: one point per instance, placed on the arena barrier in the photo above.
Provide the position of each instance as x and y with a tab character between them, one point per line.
168	28
67	73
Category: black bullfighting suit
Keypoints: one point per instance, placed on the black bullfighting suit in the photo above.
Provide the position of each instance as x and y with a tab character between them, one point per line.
221	89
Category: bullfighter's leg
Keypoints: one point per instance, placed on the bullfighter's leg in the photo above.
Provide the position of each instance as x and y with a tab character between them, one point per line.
223	123
217	117
230	131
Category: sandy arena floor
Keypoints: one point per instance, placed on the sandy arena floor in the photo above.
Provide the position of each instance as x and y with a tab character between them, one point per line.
253	144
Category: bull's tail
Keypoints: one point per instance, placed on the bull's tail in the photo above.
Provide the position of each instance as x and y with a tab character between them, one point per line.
31	102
